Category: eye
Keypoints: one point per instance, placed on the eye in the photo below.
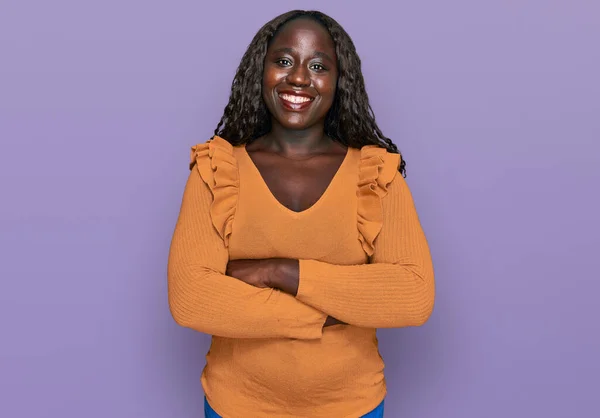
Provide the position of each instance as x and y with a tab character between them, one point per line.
284	62
318	67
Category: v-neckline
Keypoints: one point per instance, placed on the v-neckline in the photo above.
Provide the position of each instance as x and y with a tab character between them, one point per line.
311	208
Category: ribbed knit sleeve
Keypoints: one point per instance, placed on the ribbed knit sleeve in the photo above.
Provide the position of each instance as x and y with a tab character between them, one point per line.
203	298
395	290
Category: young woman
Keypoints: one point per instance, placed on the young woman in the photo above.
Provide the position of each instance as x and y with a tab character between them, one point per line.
297	236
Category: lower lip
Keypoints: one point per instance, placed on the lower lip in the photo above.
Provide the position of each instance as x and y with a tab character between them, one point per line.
296	107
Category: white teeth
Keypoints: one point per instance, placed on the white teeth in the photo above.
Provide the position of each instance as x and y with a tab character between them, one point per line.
294	99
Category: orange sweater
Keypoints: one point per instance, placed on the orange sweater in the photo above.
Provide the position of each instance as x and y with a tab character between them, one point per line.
364	260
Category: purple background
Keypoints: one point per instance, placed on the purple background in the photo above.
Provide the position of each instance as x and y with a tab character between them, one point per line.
494	104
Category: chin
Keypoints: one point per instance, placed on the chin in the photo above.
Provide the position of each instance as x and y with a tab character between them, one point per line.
295	122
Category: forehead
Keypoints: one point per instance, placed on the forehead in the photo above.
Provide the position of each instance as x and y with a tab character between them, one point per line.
304	33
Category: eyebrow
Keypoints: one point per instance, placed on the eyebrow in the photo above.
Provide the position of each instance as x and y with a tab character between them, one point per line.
290	51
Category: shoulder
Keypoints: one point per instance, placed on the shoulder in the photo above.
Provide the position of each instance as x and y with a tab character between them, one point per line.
377	166
218	168
377	170
216	148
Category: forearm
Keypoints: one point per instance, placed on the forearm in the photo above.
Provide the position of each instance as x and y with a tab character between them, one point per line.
371	295
216	304
285	277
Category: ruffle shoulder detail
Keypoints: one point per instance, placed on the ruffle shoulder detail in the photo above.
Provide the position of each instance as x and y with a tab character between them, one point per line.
219	170
377	169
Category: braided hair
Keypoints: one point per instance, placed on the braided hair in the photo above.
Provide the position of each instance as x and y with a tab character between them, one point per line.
350	120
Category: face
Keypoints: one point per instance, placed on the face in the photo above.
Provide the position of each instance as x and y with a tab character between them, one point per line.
300	74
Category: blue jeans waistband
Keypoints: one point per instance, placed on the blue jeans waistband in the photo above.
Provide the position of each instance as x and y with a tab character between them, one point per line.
375	413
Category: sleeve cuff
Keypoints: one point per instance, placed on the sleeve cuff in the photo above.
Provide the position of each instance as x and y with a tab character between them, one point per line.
308	280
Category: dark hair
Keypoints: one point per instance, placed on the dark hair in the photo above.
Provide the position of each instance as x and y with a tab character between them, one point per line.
350	119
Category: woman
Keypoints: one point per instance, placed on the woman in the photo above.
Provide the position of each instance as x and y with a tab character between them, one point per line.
297	236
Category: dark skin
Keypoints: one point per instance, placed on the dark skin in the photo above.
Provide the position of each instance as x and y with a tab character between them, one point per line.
296	160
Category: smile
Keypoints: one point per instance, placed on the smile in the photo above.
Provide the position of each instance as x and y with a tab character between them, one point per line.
295	102
295	99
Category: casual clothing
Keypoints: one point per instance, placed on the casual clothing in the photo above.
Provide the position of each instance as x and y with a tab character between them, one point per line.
364	260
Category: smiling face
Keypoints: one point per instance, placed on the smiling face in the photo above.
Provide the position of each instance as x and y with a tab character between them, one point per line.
300	75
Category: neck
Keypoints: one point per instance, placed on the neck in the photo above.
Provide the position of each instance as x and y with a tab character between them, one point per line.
294	143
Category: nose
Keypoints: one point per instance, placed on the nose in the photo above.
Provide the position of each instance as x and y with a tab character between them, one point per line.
299	76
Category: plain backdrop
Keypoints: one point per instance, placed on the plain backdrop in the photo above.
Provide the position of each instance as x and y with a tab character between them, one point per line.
495	106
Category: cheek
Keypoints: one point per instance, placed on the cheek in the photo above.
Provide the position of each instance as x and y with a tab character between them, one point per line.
328	84
272	77
268	83
327	87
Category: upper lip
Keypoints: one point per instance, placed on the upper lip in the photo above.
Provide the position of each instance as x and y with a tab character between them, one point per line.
297	93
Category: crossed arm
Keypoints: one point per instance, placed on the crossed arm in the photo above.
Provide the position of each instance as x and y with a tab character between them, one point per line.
285	298
276	273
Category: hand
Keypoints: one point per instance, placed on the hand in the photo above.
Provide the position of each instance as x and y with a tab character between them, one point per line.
286	275
276	273
332	321
256	273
